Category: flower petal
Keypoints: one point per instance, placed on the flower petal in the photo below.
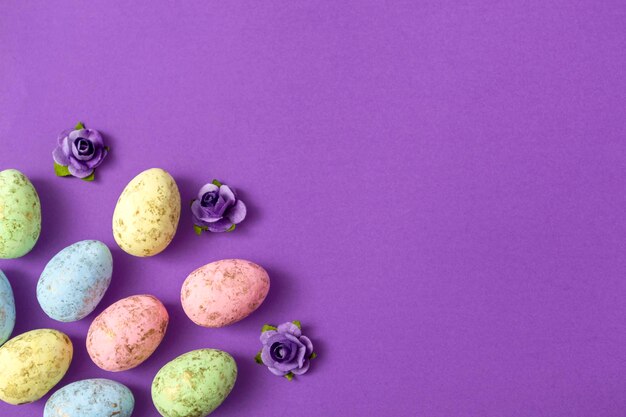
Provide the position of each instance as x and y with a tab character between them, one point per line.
200	214
266	357
301	354
294	339
221	206
265	336
289	328
276	371
227	194
97	158
94	136
79	165
309	345
206	188
219	226
286	366
59	157
302	369
79	172
238	212
66	146
79	133
63	135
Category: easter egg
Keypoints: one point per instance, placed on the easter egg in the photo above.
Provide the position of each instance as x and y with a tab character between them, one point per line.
7	309
127	332
194	384
91	397
224	292
20	214
75	280
147	213
32	363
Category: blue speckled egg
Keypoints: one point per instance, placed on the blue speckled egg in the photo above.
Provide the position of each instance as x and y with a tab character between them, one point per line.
91	397
7	309
75	280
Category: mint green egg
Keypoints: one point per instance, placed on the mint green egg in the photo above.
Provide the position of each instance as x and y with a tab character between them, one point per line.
20	214
194	384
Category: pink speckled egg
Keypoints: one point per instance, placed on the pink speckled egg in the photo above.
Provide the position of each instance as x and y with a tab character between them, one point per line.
224	292
127	332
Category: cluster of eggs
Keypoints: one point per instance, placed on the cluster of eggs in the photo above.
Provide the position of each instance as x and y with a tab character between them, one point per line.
127	332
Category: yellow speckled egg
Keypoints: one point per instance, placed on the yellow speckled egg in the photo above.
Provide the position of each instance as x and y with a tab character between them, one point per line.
147	213
32	363
20	214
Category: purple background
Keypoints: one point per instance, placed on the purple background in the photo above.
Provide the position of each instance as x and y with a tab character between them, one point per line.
436	189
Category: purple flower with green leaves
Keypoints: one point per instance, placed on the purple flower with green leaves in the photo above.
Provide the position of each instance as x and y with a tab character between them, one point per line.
79	152
286	352
217	208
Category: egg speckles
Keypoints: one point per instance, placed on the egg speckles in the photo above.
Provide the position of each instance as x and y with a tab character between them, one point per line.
7	309
224	292
194	384
127	333
20	214
32	363
75	280
91	398
147	213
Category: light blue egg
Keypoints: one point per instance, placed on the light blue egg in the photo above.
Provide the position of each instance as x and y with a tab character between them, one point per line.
75	280
91	397
7	309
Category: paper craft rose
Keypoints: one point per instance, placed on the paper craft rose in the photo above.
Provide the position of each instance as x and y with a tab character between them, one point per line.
217	209
286	352
79	153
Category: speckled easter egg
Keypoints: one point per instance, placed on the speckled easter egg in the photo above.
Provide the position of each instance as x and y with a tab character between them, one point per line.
75	280
20	214
224	292
91	398
127	332
7	309
194	384
32	363
146	215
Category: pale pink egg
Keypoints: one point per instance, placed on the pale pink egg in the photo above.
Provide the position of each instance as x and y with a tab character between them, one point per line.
127	332
224	292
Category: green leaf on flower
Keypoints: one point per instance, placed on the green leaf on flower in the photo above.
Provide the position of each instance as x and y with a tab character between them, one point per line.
313	356
231	228
297	323
216	182
61	170
90	177
79	126
289	376
258	359
198	229
267	327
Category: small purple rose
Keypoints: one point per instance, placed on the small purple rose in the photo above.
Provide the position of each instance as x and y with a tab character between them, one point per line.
286	352
217	208
79	152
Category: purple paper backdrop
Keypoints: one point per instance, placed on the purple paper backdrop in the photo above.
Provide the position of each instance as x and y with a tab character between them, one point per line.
436	189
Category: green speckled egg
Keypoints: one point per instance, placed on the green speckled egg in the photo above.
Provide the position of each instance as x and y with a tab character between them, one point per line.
20	214
32	363
194	384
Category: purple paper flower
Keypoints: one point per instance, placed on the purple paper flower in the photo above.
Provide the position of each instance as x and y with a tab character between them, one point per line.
79	152
286	352
217	208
